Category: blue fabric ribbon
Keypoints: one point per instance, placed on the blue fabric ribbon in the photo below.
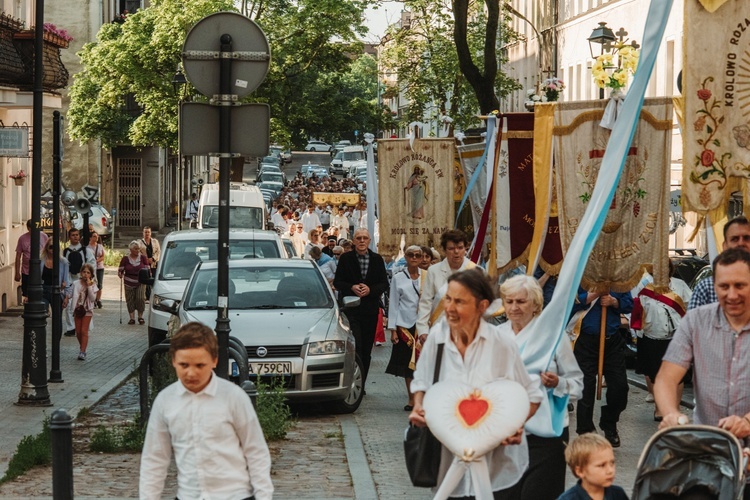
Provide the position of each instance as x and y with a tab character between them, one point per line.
549	328
478	170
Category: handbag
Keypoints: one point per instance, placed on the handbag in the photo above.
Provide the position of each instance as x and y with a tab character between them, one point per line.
79	312
421	449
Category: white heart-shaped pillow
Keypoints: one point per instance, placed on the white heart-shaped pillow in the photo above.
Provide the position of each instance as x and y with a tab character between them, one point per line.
467	418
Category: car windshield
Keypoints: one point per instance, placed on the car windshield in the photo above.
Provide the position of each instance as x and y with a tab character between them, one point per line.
273	160
272	176
338	155
239	217
353	155
272	287
179	258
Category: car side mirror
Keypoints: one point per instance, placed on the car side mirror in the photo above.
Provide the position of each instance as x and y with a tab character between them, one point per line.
145	278
350	302
168	306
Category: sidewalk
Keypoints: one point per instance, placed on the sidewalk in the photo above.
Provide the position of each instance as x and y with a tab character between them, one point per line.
114	352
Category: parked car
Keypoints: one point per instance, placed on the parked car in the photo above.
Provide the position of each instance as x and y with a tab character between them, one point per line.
286	315
317	146
274	187
352	154
271	169
272	176
270	160
181	251
284	154
99	218
289	246
337	164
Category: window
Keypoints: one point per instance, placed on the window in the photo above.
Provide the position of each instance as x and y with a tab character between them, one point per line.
21	204
669	70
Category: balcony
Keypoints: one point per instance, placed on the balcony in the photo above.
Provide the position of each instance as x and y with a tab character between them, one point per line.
17	57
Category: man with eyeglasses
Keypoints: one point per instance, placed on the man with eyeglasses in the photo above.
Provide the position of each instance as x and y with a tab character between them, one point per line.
362	274
736	235
454	244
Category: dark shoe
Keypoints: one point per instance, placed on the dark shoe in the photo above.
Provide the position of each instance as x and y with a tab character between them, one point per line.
141	321
408	408
131	322
70	333
613	437
571	407
657	418
99	304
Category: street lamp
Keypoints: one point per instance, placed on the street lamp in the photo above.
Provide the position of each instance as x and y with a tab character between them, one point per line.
178	83
604	37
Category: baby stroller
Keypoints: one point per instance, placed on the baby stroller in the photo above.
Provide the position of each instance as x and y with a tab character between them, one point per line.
695	462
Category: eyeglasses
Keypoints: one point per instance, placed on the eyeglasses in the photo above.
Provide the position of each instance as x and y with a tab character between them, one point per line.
413	254
362	238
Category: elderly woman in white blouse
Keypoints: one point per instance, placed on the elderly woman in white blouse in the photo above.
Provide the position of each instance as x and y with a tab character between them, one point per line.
545	477
406	287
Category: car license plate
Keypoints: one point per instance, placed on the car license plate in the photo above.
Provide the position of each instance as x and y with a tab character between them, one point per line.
271	368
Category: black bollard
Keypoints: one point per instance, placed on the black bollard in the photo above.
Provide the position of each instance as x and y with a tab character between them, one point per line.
61	433
249	387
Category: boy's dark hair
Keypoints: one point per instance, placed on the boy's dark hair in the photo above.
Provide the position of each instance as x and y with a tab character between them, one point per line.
194	335
730	256
456	236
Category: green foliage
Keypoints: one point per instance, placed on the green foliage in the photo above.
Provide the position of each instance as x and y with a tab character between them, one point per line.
126	438
112	257
162	375
274	414
31	451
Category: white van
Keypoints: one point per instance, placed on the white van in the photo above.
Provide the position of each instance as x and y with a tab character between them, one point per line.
247	210
182	250
352	154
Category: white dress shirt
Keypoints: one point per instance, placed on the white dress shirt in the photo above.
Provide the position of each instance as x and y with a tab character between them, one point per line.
565	366
404	299
437	276
492	355
310	221
217	441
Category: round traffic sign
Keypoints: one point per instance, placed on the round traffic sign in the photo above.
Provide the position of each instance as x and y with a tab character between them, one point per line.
201	53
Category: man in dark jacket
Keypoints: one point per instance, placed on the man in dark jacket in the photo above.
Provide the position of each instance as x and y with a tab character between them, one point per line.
361	273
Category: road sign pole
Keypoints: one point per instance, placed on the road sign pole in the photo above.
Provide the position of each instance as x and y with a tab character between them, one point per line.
55	375
225	163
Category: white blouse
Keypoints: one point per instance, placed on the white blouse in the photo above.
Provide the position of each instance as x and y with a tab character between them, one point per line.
404	300
492	355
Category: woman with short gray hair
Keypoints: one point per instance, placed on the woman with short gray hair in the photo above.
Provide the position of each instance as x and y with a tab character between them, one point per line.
135	293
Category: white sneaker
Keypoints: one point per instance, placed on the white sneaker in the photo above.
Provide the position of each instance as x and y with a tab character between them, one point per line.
649	398
82	356
378	344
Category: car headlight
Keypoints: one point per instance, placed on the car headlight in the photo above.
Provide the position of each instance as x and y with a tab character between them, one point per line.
326	347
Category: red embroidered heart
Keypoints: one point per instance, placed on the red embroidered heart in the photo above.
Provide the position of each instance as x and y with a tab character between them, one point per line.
473	409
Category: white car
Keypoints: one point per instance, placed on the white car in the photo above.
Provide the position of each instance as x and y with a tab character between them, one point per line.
285	314
181	251
317	146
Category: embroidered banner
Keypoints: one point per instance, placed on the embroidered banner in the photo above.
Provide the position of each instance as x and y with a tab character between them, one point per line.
634	236
416	192
716	86
470	156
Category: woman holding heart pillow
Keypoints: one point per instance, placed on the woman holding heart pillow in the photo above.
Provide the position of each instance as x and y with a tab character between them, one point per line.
545	478
475	353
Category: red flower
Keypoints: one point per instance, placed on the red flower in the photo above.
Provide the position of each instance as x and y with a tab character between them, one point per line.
707	157
704	94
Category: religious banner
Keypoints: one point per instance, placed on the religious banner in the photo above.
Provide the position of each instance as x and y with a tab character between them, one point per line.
716	87
335	199
416	192
514	195
634	236
470	155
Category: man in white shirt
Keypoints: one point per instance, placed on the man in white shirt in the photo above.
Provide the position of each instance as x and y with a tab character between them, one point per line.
298	238
340	221
454	243
310	219
210	424
279	219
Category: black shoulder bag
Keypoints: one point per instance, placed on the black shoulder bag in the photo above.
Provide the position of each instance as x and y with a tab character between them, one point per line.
422	449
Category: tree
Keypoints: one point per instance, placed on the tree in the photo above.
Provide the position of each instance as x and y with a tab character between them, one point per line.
133	63
423	53
482	75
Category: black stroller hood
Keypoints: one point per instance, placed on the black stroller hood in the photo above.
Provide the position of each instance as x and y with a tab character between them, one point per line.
690	461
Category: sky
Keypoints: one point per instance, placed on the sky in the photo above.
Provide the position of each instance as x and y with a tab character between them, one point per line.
378	19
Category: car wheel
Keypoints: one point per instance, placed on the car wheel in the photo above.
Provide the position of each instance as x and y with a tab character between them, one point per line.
356	392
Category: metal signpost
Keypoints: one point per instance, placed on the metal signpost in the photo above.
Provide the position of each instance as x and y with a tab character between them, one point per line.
233	47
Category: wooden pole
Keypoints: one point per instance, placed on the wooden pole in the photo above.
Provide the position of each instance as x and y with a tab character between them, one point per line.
602	340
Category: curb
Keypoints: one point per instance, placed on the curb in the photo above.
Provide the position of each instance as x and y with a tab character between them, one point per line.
359	467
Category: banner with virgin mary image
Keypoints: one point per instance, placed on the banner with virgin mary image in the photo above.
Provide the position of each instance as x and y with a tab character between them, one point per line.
415	179
635	235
